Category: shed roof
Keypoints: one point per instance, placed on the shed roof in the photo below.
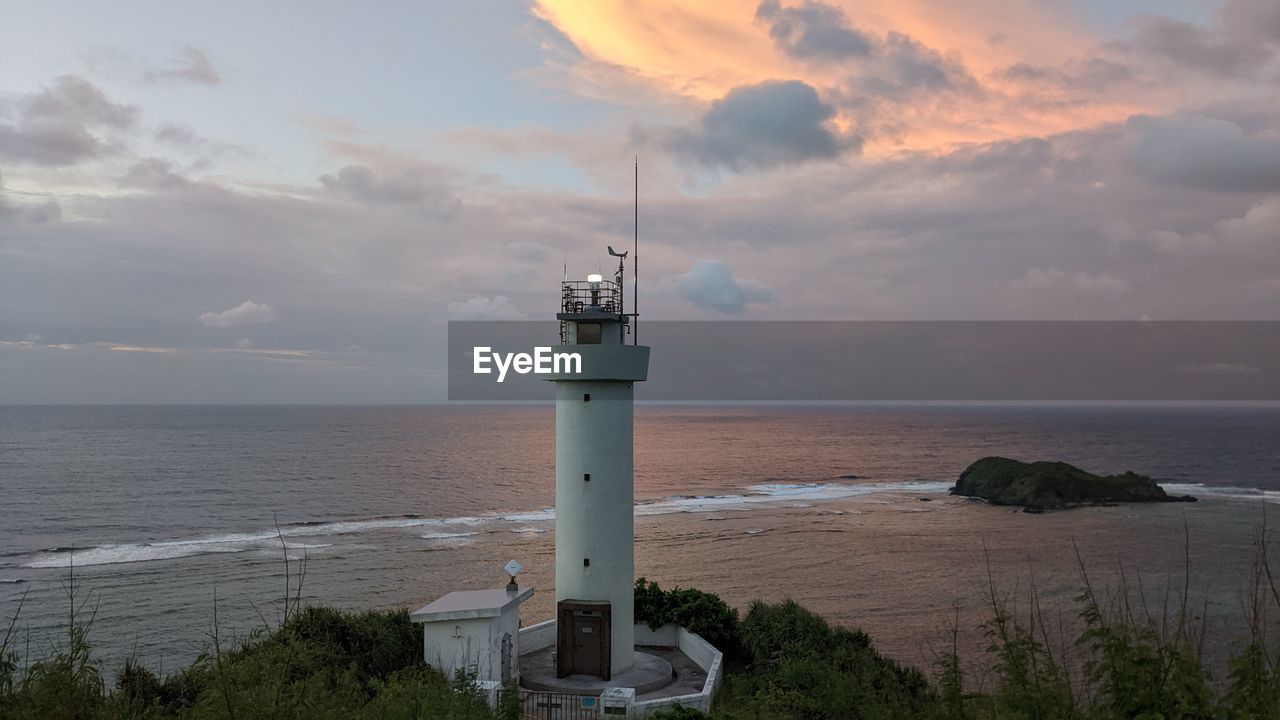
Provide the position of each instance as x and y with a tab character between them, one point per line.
466	604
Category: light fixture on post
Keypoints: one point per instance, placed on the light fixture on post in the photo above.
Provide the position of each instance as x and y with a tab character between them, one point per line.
594	280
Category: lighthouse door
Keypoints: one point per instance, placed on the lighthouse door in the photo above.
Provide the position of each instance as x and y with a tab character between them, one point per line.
584	639
586	645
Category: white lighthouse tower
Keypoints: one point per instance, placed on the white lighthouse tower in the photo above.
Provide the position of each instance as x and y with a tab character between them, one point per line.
595	565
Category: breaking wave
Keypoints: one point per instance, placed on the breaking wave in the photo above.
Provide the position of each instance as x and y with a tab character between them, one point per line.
444	531
446	535
1203	491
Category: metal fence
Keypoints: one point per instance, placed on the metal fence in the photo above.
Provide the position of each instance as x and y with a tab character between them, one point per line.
577	296
536	705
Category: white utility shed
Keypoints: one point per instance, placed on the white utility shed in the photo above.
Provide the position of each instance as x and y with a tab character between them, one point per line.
476	631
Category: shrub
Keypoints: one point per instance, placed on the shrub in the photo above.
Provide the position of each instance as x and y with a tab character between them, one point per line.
801	667
680	712
696	611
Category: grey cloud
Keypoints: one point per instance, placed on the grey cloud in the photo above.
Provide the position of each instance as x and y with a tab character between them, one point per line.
152	174
813	30
246	313
1101	74
416	186
1103	284
1087	74
482	308
191	65
1217	368
1202	152
907	237
528	251
47	145
61	123
186	140
909	67
1193	46
762	126
1252	21
1242	39
176	134
710	285
894	66
74	99
34	212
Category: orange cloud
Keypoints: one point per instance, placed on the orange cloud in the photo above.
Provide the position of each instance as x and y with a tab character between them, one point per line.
700	51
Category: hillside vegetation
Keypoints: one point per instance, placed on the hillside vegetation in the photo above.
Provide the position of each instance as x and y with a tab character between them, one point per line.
783	662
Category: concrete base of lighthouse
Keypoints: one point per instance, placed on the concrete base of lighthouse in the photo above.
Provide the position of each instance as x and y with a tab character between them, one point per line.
648	672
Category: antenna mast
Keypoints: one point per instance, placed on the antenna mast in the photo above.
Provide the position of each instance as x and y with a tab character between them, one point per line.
635	263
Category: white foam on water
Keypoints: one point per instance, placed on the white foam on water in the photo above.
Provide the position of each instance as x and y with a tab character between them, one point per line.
1204	492
458	529
10	581
446	535
536	516
114	554
353	527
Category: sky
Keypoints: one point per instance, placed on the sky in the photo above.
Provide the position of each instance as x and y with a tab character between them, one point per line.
287	202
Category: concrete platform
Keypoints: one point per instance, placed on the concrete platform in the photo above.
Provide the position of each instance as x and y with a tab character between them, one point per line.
649	674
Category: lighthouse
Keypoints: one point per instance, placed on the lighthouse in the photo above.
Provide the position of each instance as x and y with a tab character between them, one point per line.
595	562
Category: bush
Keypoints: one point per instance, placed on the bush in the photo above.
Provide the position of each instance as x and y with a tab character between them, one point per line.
801	667
321	663
696	611
680	712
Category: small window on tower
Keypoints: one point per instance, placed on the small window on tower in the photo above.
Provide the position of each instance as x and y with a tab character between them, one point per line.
586	477
586	397
588	333
586	562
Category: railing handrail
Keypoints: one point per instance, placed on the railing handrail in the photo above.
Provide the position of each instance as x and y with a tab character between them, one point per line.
579	295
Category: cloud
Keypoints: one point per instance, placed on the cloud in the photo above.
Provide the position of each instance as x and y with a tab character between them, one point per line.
120	347
1251	21
61	123
915	235
760	126
152	174
483	308
1101	284
191	65
1217	368
1194	47
243	343
908	67
813	30
1258	227
176	134
183	138
710	284
246	313
1092	74
1202	152
424	187
894	65
528	251
41	211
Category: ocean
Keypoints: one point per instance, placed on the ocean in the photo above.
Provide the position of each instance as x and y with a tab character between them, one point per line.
159	513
